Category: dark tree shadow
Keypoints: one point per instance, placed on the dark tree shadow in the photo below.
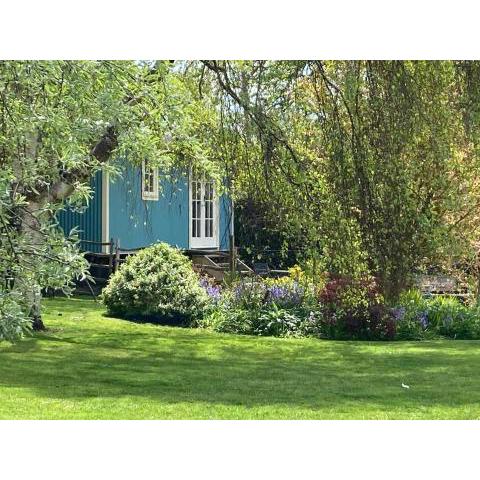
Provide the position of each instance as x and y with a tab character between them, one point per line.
168	365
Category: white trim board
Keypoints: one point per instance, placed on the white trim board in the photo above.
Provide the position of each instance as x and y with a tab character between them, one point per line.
215	243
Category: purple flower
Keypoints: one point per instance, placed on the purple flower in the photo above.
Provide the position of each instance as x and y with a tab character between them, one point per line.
398	313
214	292
285	294
423	319
240	291
247	292
276	292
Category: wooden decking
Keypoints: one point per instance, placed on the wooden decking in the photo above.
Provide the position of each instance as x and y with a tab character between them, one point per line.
214	263
442	285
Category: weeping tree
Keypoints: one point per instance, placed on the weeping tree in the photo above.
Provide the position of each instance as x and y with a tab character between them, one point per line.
374	162
60	122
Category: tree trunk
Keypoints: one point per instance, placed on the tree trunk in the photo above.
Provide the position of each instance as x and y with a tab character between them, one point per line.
33	216
35	311
31	227
38	325
477	275
32	296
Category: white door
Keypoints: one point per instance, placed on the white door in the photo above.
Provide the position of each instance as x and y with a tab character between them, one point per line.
204	214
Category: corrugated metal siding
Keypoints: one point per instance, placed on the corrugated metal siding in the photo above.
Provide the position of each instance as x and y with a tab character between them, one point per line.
89	222
138	223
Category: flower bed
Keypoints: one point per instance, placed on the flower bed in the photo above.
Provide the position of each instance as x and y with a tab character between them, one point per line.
336	308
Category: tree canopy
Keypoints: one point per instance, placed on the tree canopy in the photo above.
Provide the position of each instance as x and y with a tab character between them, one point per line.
375	163
370	166
61	122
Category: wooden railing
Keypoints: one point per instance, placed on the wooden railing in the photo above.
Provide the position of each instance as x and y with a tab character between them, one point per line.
111	254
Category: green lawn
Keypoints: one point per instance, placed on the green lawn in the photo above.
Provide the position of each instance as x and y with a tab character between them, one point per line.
89	366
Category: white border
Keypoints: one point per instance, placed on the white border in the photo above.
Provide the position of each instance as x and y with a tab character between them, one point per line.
239	450
344	29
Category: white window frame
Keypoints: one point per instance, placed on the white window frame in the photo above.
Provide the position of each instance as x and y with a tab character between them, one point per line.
146	194
202	241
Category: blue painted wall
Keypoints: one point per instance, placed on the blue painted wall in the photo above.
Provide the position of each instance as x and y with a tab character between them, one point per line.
89	221
137	222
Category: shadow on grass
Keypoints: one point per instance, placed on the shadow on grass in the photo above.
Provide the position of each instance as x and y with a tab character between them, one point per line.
106	358
151	320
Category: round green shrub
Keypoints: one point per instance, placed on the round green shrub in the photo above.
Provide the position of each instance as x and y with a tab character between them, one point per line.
156	284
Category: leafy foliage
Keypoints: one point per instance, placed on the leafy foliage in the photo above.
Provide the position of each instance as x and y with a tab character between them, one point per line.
14	323
61	122
370	168
342	308
295	306
371	164
420	317
355	309
278	322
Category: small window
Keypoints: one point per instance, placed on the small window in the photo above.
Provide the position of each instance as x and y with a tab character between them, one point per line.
149	182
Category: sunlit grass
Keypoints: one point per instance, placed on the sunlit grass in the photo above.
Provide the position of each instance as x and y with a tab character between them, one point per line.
89	366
